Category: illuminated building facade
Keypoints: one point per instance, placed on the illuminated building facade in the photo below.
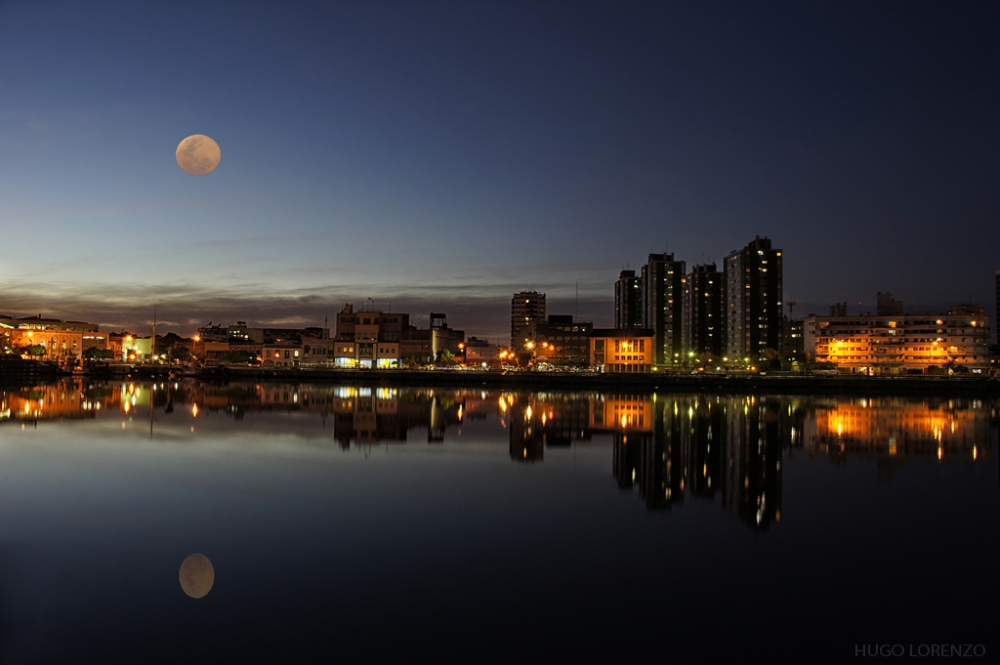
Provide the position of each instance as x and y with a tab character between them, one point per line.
752	302
526	307
56	339
902	344
369	338
628	351
703	329
662	283
628	300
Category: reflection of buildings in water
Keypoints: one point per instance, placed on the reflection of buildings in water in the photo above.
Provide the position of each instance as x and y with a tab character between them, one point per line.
643	453
362	415
368	415
703	445
890	430
535	422
617	412
527	438
751	484
64	399
479	406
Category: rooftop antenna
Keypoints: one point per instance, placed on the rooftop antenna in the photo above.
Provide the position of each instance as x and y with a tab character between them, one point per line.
576	310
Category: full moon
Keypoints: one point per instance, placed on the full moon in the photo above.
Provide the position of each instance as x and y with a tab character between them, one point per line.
197	575
198	154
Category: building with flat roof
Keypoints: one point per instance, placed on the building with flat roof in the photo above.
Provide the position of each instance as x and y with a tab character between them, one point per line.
628	300
753	307
703	326
629	351
241	332
662	281
526	307
281	354
560	340
56	339
902	343
368	338
480	353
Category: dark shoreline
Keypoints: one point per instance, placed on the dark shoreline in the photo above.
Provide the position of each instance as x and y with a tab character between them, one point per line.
563	381
622	383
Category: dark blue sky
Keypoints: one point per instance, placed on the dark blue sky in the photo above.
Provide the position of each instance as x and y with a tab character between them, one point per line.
444	155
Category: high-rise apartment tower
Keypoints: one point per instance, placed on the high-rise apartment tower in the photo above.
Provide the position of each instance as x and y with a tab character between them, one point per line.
662	284
753	301
703	325
526	307
628	301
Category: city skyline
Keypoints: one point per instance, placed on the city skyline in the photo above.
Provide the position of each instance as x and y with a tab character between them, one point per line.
441	157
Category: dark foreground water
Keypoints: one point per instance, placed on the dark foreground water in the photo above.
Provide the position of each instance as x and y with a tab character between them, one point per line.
381	525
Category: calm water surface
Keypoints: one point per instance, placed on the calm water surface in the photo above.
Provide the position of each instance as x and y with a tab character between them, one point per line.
483	526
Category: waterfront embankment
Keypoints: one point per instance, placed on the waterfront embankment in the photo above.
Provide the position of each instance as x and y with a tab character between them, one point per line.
625	383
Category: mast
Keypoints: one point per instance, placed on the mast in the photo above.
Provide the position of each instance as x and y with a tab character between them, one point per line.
152	342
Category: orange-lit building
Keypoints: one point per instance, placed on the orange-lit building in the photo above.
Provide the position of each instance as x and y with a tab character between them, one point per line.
59	339
622	350
902	343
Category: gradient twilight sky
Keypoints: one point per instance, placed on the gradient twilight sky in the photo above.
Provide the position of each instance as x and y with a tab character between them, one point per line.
444	155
